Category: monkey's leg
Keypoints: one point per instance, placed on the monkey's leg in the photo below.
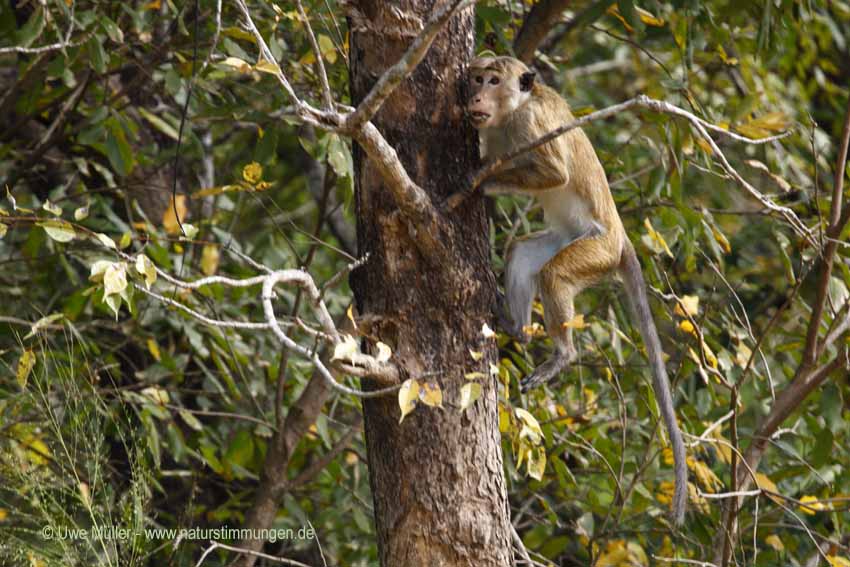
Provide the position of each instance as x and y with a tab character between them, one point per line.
575	267
557	296
526	257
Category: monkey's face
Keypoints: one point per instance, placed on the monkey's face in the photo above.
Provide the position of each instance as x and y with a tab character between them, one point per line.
495	94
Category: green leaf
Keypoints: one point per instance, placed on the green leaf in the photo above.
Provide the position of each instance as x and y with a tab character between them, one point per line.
97	56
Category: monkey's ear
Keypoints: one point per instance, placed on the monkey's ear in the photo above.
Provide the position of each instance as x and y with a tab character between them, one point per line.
526	81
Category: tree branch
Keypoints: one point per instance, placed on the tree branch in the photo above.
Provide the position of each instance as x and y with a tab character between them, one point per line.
540	20
393	76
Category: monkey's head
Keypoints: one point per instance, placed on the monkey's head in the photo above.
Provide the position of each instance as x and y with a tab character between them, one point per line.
497	87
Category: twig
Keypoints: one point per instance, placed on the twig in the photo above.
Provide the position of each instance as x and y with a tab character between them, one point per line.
320	63
216	545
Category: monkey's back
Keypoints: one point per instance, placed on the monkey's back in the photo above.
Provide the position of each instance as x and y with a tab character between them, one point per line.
587	183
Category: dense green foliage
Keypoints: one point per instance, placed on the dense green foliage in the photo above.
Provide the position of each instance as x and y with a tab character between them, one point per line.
117	410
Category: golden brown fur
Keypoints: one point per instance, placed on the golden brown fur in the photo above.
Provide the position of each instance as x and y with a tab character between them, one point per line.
585	239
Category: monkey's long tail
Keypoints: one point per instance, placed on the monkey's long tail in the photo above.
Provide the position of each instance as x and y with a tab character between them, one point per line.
632	276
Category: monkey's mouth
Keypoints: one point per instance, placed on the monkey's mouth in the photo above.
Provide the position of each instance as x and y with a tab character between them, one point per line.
478	117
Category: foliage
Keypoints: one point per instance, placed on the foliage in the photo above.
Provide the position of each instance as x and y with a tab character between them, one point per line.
119	410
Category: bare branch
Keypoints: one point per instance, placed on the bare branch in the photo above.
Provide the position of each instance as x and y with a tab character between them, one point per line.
215	545
393	76
320	62
835	228
542	17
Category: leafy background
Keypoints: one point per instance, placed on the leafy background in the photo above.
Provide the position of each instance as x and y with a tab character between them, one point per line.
116	410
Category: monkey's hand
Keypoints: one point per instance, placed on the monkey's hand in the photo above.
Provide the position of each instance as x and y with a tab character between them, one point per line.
458	198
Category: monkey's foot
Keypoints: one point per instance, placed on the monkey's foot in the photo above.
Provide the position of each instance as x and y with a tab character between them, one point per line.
544	373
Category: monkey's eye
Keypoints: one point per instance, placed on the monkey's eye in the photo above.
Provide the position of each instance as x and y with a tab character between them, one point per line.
479	79
494	81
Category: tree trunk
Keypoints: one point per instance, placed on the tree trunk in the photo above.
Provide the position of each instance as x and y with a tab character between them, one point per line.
437	478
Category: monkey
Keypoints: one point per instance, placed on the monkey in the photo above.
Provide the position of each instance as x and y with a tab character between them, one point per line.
584	240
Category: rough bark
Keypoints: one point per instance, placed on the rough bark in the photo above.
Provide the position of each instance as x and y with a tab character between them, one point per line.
437	478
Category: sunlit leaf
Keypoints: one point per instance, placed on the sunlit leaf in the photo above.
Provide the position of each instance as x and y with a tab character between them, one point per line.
210	257
469	392
408	395
576	322
687	305
25	366
346	349
58	230
169	217
774	542
252	173
653	240
114	279
105	240
487	332
431	395
52	209
384	352
146	269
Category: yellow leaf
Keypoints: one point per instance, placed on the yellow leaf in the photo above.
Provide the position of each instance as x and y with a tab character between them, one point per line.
475	375
812	505
25	365
346	349
384	352
3	228
237	65
705	476
654	241
326	46
536	463
153	348
37	451
704	146
476	355
774	542
431	395
781	182
648	18
576	322
742	355
210	257
350	314
469	392
154	5
504	419
835	561
765	483
3	514
266	66
721	239
252	173
408	395
169	218
725	58
619	553
764	126
687	305
530	426
687	327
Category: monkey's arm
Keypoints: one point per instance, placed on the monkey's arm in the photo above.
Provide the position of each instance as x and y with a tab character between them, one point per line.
525	175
